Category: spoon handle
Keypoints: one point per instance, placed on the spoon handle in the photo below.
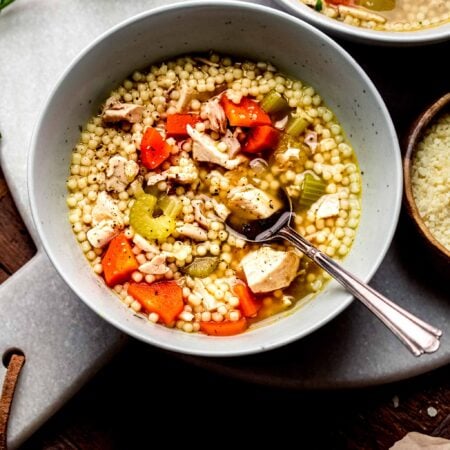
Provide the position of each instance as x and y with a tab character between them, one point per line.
419	336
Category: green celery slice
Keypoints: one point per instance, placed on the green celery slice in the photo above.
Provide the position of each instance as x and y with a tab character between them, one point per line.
143	222
170	206
202	266
274	102
296	126
312	190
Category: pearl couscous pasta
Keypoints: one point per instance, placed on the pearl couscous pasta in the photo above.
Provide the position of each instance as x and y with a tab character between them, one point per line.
179	150
385	15
430	177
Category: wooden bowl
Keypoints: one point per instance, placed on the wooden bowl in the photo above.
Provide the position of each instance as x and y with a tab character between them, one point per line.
412	140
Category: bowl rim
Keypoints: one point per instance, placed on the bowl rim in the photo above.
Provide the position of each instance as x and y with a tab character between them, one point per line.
417	128
127	327
388	38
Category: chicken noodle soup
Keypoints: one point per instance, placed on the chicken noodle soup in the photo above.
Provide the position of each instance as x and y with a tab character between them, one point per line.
385	15
176	150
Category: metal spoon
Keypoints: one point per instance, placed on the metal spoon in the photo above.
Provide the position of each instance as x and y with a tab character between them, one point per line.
418	336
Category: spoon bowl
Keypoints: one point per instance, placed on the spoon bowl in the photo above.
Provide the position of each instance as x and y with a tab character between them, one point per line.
263	230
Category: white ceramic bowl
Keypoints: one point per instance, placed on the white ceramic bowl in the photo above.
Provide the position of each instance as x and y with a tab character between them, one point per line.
238	29
364	35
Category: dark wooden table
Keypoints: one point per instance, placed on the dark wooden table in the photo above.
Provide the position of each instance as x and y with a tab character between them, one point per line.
144	393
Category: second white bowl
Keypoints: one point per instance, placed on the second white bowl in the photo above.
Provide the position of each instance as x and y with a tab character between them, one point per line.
342	30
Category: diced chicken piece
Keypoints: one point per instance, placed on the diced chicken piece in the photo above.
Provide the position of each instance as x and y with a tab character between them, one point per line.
252	203
199	214
267	269
154	178
220	209
216	115
106	209
234	146
290	154
185	173
205	149
114	111
311	140
103	232
157	266
210	302
144	245
326	206
234	96
120	173
107	221
193	232
187	94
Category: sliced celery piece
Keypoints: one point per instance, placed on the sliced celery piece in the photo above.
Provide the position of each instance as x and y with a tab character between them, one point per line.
312	190
143	222
170	206
274	102
296	126
202	266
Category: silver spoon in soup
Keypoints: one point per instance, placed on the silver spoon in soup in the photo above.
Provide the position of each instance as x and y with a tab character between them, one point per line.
418	336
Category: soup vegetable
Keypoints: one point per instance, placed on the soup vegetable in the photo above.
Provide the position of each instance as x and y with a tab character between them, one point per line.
179	148
387	15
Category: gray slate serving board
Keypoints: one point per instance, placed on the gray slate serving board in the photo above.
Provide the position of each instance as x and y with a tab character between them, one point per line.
66	343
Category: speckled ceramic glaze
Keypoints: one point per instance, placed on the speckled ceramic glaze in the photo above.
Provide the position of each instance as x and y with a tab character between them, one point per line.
240	29
364	35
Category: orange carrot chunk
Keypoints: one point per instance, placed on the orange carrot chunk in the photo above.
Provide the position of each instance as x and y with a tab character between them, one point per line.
248	303
261	138
177	123
164	298
226	328
154	149
246	113
119	261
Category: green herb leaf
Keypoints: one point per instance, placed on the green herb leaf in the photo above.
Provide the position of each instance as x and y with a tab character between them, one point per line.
5	3
319	5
